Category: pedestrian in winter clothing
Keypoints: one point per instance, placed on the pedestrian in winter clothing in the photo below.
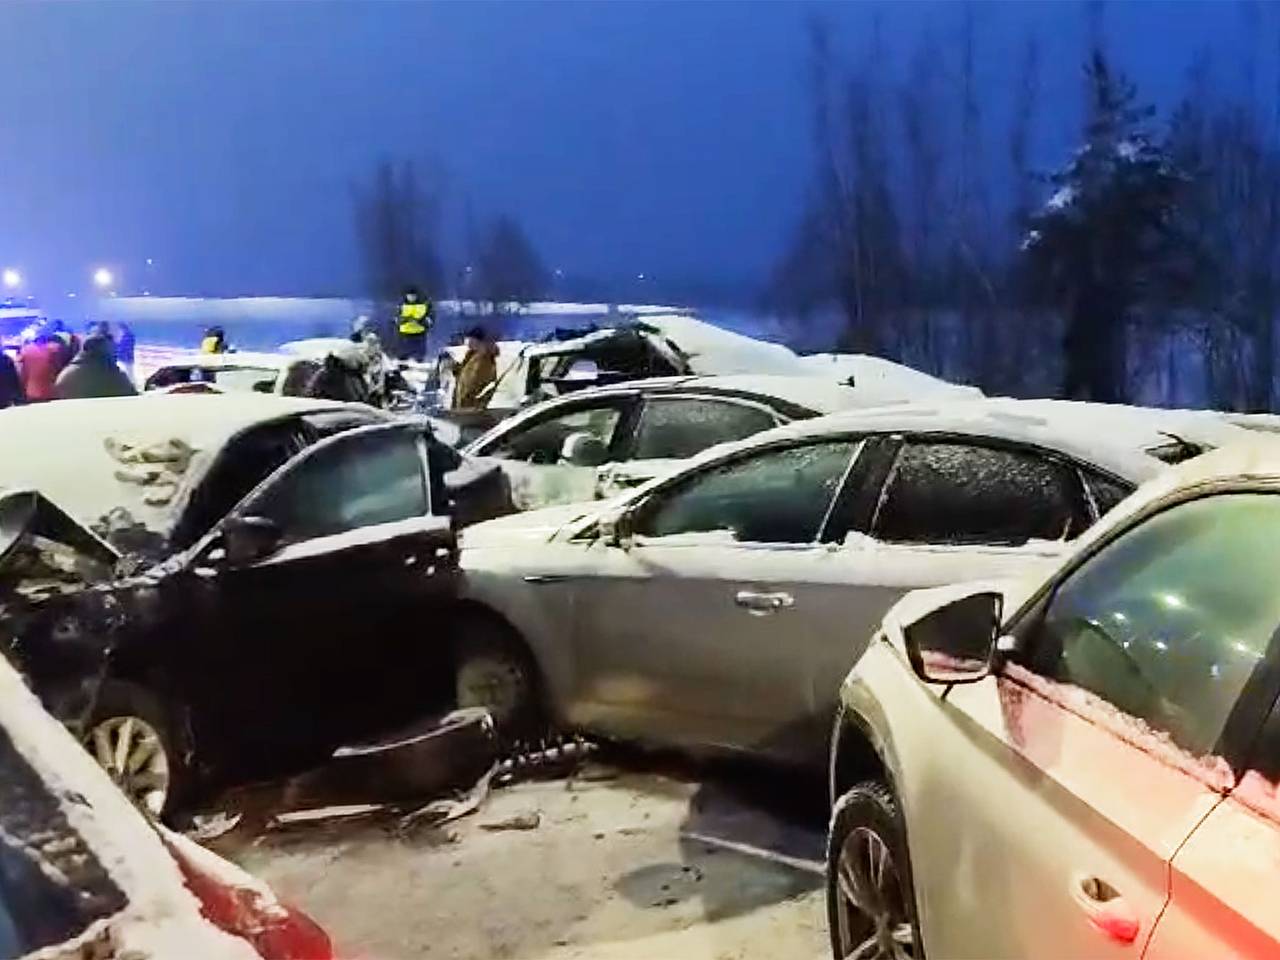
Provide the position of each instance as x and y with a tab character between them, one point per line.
125	349
10	383
94	373
39	362
479	369
215	341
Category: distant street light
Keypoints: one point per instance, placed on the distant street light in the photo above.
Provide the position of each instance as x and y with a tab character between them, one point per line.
12	279
102	278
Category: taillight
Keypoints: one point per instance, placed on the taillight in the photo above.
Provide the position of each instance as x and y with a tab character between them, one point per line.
237	903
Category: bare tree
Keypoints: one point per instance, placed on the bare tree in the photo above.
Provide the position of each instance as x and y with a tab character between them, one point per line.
396	223
509	270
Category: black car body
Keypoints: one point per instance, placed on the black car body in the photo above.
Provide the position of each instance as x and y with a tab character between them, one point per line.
273	579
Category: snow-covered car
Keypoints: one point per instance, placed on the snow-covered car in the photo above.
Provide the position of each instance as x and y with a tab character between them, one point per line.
262	579
597	442
284	374
659	345
721	605
84	874
1082	763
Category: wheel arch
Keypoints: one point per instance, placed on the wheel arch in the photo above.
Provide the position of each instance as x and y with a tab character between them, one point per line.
469	609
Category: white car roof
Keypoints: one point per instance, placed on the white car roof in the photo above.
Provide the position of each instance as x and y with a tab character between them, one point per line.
1114	438
214	361
60	448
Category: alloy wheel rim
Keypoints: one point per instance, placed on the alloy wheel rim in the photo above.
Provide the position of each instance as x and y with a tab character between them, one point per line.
131	752
871	904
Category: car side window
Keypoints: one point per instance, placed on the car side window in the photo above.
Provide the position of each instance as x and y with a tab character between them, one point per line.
951	492
356	480
540	440
1106	491
1168	622
244	463
780	496
678	427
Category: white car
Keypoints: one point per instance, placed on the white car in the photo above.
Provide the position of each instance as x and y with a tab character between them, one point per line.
720	606
1081	763
83	874
597	442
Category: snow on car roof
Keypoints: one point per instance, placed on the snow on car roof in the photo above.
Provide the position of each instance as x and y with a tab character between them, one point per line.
161	918
824	395
217	361
714	350
865	370
1118	439
64	449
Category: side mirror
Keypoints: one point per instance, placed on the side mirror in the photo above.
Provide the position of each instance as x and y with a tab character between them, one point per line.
584	449
249	539
956	643
615	530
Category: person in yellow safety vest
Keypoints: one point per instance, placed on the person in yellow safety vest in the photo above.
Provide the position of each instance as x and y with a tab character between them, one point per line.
215	341
415	320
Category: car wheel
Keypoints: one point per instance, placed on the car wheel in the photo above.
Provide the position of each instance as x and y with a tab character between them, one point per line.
136	740
493	671
870	903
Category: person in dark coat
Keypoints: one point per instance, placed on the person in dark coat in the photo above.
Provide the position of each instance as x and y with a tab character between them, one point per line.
93	373
11	393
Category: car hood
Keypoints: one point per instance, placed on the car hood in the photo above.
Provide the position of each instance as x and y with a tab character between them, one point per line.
532	526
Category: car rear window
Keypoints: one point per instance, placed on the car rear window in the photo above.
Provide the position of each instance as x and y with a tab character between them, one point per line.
52	886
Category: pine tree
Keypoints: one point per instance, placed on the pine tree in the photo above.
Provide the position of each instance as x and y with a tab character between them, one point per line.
1106	236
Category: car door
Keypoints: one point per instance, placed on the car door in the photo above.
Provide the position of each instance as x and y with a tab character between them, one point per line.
530	449
330	635
671	428
709	626
958	508
1222	883
1058	791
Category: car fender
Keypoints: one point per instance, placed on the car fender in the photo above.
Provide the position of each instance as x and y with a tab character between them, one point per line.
539	611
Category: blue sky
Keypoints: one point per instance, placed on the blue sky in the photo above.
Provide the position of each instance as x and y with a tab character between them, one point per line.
221	138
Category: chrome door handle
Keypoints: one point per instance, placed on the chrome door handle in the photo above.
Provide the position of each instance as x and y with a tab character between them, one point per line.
762	603
1108	912
544	578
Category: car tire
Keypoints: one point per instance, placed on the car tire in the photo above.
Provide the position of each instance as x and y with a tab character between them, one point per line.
493	670
870	901
129	721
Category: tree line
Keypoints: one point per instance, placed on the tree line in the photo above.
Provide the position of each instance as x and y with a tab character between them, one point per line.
1146	266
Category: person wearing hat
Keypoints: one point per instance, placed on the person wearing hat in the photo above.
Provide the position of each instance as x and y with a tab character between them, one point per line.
93	373
477	371
215	341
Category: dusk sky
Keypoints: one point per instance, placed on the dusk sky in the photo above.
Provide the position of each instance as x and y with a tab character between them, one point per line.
221	139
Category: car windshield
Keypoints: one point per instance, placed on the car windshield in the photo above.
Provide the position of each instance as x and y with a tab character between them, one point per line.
259	379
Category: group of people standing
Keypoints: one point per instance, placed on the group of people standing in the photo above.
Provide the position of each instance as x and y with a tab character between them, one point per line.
55	364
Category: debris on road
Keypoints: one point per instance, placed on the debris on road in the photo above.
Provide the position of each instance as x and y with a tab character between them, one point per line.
521	821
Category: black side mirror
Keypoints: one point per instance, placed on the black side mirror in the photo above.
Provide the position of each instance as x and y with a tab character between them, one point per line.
956	643
249	539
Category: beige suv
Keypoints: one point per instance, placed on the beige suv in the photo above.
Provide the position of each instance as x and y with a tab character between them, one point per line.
1083	765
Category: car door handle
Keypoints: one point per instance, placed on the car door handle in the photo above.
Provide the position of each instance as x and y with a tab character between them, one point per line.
762	603
544	578
1107	911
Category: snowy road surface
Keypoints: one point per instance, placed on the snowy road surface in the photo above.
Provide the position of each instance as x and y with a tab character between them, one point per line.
607	865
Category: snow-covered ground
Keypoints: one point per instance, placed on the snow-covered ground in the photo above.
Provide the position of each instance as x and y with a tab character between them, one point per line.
612	864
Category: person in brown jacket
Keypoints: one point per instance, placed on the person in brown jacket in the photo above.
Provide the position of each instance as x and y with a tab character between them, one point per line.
479	368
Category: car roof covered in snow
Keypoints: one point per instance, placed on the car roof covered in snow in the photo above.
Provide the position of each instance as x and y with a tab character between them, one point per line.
1129	442
230	361
142	454
864	370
